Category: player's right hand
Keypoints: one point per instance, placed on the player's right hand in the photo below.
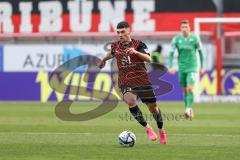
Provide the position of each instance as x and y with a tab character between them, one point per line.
202	71
101	64
171	71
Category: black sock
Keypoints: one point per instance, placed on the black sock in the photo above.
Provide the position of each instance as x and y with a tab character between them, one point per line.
158	118
137	114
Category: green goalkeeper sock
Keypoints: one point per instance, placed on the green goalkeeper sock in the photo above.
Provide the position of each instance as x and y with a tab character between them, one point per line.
189	99
185	99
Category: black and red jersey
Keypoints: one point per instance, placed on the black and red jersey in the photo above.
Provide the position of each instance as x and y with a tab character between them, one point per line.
131	68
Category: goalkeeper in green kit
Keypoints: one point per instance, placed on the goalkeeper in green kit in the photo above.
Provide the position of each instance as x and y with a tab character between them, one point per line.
187	45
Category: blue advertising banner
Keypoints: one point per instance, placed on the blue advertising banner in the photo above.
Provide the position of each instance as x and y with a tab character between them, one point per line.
1	58
32	86
35	87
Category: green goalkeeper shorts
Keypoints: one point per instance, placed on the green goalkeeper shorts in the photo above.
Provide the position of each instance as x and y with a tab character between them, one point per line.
186	79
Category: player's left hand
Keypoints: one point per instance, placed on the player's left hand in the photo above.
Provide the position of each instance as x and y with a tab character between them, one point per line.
101	64
202	71
131	51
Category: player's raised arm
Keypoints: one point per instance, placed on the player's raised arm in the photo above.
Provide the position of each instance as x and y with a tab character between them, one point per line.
170	58
108	56
144	56
142	52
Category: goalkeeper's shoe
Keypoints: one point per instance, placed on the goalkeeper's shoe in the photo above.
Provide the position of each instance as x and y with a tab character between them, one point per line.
189	113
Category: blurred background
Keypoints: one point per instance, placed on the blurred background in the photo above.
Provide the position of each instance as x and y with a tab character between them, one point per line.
38	36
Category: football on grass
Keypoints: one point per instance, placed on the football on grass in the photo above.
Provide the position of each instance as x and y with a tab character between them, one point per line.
127	139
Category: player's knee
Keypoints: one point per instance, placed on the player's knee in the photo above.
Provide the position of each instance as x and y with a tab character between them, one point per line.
131	101
153	107
185	90
189	89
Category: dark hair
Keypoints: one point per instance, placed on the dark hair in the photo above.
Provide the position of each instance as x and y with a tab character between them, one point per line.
123	24
185	21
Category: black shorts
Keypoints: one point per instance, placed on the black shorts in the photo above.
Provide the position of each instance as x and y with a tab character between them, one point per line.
145	93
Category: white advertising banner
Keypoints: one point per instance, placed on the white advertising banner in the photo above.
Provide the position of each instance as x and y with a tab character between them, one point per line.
43	57
31	57
34	58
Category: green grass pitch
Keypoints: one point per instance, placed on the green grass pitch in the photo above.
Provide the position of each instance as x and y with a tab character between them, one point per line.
31	131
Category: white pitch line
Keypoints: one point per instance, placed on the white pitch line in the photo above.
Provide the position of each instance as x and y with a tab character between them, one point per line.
88	133
208	135
45	133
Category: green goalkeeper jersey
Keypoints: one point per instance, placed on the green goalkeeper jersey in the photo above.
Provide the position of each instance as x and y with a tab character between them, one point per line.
187	52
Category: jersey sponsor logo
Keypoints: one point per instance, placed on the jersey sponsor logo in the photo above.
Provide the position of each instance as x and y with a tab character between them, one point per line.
126	60
191	40
186	47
